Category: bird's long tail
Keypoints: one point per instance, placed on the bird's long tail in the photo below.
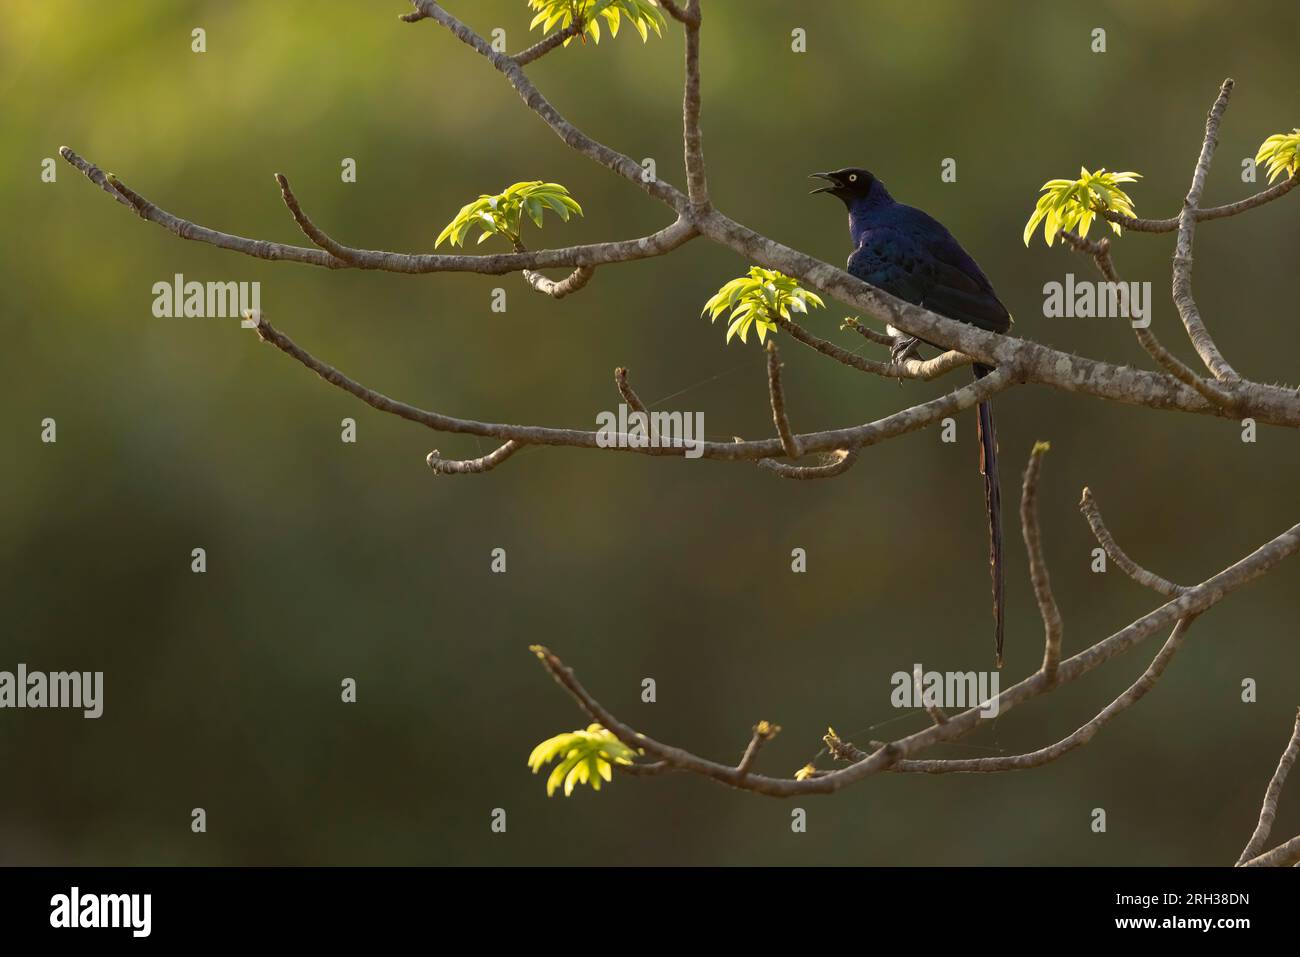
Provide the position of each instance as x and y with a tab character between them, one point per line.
988	437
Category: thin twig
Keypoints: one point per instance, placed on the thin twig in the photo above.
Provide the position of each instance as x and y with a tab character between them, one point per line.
310	229
628	250
841	750
484	463
1038	574
697	184
556	288
1035	759
1284	855
680	15
1100	252
789	444
764	732
857	437
1276	191
866	332
839	462
1183	299
627	392
1255	846
922	369
936	713
1145	578
545	46
573	137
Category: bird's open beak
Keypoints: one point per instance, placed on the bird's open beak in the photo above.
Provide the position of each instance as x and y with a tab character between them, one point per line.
833	183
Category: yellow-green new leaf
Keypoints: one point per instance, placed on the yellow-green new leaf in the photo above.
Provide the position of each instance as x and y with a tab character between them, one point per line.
757	301
1074	204
1281	153
501	213
582	757
644	15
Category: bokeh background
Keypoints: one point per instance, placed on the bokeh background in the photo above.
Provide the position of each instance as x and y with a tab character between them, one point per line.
328	560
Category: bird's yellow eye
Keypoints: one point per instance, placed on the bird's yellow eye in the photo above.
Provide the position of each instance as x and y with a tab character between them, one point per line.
853	177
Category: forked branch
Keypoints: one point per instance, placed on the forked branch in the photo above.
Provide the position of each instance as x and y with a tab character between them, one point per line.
897	755
1288	853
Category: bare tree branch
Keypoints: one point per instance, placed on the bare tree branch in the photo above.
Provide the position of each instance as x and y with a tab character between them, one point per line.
485	463
557	288
1255	846
1076	739
697	184
924	370
936	713
95	175
836	440
1038	574
879	338
847	751
627	392
1100	252
1169	225
789	444
310	229
335	255
1183	299
1284	855
1178	612
764	732
838	462
543	47
623	165
1131	568
680	15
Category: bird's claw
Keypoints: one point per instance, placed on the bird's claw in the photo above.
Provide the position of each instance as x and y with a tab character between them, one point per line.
904	348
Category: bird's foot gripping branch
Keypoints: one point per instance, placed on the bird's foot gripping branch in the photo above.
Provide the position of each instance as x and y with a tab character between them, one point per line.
775	298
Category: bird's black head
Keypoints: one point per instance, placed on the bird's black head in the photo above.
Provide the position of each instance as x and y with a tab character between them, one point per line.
847	184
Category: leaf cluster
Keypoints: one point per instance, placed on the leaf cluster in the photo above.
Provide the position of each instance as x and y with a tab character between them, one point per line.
583	757
757	299
1281	152
1073	204
503	212
644	15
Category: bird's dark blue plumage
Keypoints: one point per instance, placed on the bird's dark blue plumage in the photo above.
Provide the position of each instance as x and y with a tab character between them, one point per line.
910	254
